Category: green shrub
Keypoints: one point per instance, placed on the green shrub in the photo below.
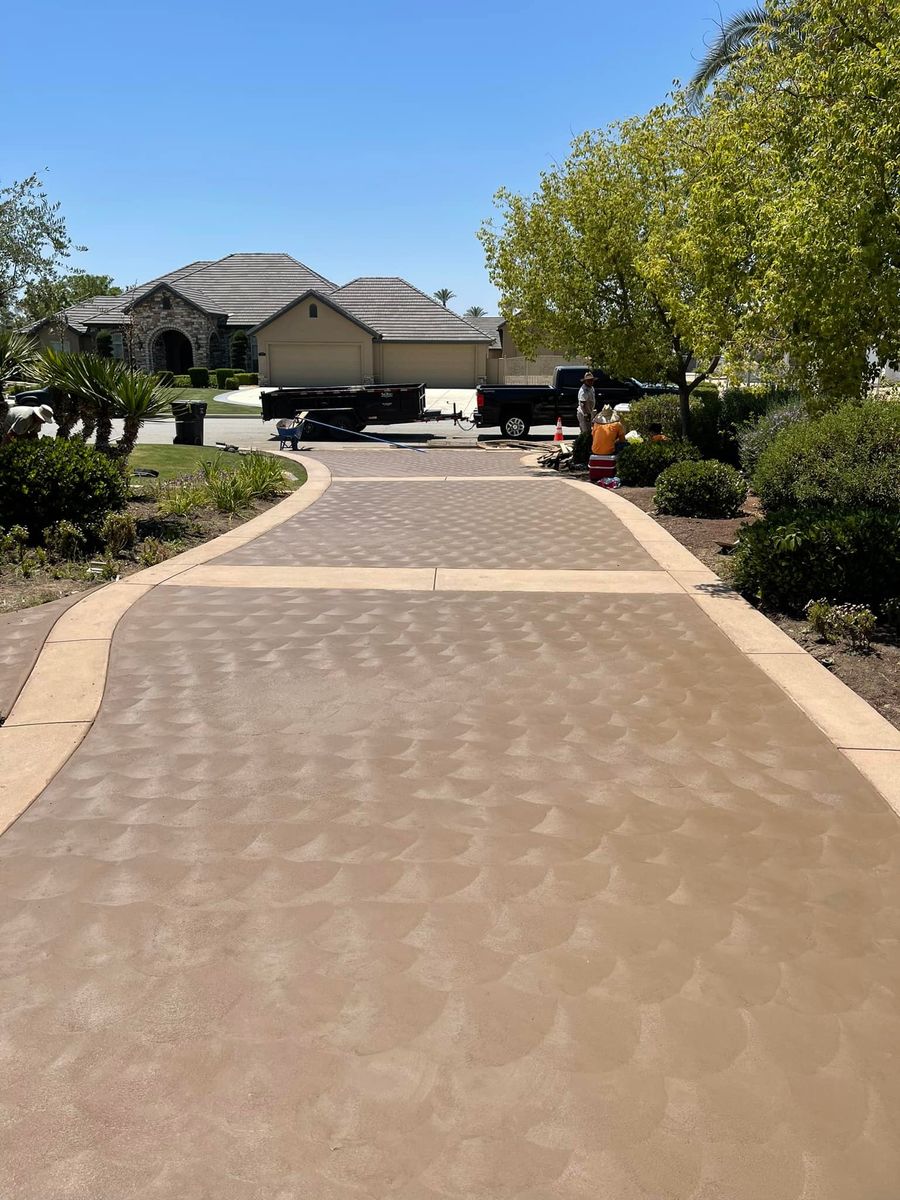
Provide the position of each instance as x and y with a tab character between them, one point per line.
223	374
64	540
12	543
181	381
847	459
152	551
852	623
700	489
229	492
53	479
238	349
655	410
246	378
164	378
640	463
179	498
118	532
231	384
787	559
199	376
262	475
758	435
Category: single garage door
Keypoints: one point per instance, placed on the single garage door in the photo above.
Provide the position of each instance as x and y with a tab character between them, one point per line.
435	365
307	364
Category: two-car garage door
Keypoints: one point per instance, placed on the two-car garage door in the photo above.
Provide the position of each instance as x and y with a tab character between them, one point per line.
431	363
310	364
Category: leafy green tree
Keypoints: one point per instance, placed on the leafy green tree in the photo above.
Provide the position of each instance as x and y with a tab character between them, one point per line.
34	241
44	297
444	295
802	142
475	310
602	260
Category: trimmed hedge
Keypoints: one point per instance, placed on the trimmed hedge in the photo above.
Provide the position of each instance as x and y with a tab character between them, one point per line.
46	480
181	381
757	436
199	377
641	463
701	489
847	459
247	377
222	374
231	384
238	349
788	559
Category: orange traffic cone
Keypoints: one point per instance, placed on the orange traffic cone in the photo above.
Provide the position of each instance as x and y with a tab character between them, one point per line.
558	436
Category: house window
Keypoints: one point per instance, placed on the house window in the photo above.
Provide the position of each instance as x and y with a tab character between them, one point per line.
166	301
314	310
118	346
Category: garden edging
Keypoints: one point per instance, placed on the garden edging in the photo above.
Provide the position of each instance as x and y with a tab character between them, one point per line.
58	702
860	733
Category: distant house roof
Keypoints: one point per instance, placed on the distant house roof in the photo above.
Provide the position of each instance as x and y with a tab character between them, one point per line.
490	326
401	313
250	289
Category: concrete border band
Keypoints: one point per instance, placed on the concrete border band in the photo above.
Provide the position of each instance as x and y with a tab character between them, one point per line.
61	697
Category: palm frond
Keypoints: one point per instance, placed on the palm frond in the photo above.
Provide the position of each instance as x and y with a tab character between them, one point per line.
733	37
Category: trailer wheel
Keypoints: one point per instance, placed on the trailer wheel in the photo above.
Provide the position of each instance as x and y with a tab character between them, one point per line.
514	425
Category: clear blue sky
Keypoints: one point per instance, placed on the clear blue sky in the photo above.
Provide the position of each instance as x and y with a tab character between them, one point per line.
362	138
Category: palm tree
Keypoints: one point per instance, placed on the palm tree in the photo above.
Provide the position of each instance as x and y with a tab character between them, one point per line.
17	356
444	295
475	310
90	383
137	398
732	40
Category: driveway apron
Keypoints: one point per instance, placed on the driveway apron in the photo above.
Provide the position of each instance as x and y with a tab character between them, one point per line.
371	892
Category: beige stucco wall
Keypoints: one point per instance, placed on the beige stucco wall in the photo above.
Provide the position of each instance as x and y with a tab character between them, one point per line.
63	339
437	364
297	327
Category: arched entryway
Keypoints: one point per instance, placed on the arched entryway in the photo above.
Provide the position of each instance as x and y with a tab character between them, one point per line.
172	351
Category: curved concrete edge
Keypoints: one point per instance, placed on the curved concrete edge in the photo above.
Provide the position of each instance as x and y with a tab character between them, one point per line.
860	733
61	697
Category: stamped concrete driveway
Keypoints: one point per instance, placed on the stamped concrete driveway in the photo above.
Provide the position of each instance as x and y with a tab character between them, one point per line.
422	894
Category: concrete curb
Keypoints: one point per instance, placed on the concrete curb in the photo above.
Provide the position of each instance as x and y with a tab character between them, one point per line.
860	733
60	699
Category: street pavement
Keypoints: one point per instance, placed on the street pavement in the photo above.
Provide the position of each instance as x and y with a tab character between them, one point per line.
442	850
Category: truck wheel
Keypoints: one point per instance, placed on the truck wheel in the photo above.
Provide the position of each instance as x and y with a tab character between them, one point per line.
514	425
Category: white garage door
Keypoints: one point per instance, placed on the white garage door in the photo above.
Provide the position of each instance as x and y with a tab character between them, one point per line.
434	365
306	364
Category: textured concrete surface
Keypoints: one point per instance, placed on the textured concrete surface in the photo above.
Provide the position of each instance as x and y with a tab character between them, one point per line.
438	895
22	634
379	462
465	523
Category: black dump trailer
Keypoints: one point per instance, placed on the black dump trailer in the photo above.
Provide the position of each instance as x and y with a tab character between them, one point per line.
351	408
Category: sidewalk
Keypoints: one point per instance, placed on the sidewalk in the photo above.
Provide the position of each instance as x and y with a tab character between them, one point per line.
437	844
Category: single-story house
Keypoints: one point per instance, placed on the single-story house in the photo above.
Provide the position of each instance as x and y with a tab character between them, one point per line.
302	329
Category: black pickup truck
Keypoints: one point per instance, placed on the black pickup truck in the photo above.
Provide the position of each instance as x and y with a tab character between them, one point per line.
516	409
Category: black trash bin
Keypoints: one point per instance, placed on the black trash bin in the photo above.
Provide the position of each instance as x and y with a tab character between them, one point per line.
188	416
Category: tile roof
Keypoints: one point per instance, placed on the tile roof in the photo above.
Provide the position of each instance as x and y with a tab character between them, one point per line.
401	313
490	326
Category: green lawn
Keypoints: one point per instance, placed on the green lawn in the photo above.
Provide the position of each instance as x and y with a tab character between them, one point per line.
175	461
215	407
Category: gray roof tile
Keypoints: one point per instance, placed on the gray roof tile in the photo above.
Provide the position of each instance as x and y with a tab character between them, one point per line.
401	313
490	326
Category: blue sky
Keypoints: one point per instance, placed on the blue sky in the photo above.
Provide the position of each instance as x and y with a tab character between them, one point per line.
362	138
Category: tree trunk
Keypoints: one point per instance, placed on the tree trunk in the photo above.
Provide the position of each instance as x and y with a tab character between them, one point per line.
126	442
684	407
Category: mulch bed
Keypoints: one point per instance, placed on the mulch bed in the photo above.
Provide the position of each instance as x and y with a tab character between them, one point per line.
874	675
179	533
